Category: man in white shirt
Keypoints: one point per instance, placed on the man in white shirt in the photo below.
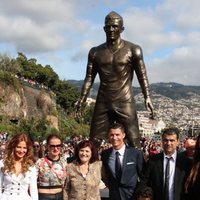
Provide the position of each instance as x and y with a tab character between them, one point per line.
123	165
166	172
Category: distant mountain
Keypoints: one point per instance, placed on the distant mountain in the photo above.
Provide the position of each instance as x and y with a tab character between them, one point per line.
171	90
175	90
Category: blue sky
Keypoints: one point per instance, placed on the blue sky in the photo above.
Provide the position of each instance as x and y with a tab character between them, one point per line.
61	32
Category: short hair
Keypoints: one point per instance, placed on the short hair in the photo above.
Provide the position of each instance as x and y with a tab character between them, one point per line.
116	126
53	135
144	191
171	131
114	15
83	144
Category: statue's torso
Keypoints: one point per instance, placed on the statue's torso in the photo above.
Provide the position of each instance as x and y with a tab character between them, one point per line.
115	71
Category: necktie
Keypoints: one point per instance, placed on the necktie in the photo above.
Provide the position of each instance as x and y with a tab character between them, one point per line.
166	184
118	169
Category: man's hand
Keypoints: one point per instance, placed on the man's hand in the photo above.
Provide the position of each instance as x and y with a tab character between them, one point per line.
149	106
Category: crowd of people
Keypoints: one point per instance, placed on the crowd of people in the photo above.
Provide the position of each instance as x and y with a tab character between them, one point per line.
75	169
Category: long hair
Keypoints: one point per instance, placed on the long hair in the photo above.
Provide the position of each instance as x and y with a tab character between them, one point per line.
9	156
195	171
83	144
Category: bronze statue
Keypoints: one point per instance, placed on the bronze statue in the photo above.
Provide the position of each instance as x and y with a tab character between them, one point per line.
115	62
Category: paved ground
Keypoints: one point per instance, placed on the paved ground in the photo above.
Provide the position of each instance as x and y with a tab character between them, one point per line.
104	193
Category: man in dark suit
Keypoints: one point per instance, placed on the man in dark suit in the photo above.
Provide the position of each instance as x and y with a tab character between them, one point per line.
121	180
167	182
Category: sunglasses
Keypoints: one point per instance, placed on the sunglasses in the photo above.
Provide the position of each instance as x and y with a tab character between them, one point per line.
52	146
36	146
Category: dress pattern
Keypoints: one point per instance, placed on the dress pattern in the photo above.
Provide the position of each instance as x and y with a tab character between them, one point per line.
51	173
79	187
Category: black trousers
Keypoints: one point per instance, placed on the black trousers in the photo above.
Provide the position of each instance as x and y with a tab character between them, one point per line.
57	196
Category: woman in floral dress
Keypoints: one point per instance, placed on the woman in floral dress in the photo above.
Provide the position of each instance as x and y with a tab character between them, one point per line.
51	171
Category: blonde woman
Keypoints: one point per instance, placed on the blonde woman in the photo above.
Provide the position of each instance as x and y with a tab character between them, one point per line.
18	178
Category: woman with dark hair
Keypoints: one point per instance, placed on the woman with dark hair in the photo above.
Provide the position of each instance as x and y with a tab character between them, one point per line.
144	193
18	178
51	170
37	150
192	185
84	173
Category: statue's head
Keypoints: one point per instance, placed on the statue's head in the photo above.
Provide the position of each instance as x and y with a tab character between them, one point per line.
113	16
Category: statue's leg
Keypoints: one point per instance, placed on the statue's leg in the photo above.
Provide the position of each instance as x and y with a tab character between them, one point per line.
127	116
100	122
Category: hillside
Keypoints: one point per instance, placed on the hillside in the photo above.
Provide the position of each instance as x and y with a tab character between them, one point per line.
174	91
26	102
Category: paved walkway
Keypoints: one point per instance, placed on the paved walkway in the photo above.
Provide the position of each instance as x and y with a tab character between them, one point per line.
104	194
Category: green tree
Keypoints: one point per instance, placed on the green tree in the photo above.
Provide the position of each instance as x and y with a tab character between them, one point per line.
7	79
52	77
9	65
36	128
70	127
28	67
66	95
87	113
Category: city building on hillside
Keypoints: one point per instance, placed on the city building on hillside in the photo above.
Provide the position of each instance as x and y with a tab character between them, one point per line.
90	101
149	127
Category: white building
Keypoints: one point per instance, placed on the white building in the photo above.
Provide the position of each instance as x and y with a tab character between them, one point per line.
148	127
89	101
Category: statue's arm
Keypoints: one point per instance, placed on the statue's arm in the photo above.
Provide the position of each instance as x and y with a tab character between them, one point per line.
88	82
141	73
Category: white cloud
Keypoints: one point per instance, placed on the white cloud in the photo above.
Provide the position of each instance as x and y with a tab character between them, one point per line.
39	25
181	66
172	27
61	32
183	13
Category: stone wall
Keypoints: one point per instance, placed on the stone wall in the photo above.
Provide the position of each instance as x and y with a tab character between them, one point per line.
26	103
